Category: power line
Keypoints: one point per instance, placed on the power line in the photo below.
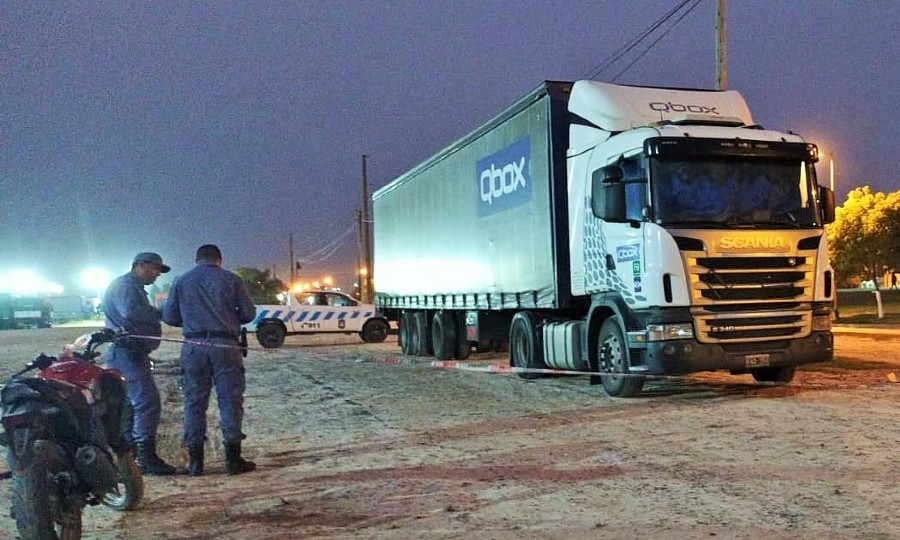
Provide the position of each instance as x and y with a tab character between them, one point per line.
635	41
328	250
657	40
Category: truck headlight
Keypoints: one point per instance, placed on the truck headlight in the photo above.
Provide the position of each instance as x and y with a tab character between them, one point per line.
821	323
663	332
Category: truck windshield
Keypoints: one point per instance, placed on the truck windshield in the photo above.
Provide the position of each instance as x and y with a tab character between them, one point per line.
728	192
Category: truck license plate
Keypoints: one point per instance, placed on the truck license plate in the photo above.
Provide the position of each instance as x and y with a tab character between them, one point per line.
756	360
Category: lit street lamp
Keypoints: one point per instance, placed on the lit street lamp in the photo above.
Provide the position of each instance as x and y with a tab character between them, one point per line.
830	168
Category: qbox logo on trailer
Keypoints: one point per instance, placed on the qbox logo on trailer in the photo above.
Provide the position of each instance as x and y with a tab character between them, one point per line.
503	179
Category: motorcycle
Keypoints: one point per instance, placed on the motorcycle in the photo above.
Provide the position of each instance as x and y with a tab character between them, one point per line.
65	441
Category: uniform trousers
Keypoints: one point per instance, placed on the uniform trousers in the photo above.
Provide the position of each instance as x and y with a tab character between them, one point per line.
205	367
143	395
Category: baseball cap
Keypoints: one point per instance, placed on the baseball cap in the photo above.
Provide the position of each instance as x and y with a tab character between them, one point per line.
151	258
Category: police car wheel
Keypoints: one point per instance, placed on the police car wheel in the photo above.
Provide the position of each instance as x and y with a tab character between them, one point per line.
270	335
374	331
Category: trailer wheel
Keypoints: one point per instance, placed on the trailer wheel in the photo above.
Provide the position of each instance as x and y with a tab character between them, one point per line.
463	345
612	351
409	334
443	335
423	335
270	335
526	349
781	375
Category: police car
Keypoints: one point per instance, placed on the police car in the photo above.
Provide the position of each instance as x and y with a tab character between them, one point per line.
315	312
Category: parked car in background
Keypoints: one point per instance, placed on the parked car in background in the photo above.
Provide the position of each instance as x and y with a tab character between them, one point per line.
316	312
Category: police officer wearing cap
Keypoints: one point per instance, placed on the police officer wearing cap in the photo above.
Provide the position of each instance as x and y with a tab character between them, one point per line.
126	308
210	304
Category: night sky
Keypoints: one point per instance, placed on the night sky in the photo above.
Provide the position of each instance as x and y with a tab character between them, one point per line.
132	126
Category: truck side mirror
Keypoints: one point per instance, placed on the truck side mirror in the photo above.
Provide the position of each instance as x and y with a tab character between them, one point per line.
608	193
826	201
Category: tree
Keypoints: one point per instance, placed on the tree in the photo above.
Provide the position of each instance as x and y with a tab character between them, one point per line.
264	289
865	236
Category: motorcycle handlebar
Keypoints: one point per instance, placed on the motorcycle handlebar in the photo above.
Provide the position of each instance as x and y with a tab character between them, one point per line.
106	335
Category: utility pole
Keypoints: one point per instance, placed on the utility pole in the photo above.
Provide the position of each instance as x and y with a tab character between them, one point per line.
721	49
365	289
359	254
291	254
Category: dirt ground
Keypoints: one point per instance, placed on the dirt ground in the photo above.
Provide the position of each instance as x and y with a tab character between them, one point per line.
352	444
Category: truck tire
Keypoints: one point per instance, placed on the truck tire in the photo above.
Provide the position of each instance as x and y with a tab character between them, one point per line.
463	345
407	333
423	335
613	357
443	335
374	331
270	335
781	375
526	348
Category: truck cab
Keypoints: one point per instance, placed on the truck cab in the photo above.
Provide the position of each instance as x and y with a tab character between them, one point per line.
315	312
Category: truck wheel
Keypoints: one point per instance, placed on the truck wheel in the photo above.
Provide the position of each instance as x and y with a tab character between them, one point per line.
774	374
270	335
443	335
463	345
423	335
374	331
408	340
526	348
612	352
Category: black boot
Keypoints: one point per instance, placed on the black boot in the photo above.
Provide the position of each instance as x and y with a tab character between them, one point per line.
150	463
195	467
234	463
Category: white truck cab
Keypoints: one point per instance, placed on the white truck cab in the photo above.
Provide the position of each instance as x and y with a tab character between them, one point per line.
314	312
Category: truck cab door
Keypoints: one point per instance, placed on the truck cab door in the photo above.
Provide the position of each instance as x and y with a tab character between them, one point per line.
618	194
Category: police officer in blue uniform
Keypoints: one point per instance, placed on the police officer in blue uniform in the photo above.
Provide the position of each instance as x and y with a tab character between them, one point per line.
126	307
210	304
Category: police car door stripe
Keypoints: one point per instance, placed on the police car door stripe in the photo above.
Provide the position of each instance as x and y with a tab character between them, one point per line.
302	316
315	316
328	316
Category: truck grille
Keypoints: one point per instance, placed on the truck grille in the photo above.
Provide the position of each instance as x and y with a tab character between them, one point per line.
751	298
753	326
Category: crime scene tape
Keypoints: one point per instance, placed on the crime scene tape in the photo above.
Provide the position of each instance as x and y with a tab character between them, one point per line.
503	369
197	343
497	369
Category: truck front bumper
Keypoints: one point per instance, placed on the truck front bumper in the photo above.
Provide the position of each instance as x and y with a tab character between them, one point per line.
676	357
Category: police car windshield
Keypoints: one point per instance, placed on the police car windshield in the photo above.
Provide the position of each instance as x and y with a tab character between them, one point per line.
741	192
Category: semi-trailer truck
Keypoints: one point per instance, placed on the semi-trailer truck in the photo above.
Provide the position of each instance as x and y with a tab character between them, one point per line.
622	231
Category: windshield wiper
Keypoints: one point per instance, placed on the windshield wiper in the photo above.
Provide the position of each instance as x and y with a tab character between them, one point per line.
698	224
781	223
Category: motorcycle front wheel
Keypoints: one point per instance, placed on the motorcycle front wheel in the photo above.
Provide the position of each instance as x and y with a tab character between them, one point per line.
129	490
40	510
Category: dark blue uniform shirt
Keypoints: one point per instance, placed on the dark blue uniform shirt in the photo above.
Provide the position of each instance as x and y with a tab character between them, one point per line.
126	308
209	299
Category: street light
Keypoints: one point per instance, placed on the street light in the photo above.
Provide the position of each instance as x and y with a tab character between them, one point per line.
830	167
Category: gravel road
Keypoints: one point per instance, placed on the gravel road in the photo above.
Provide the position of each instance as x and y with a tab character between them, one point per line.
353	443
